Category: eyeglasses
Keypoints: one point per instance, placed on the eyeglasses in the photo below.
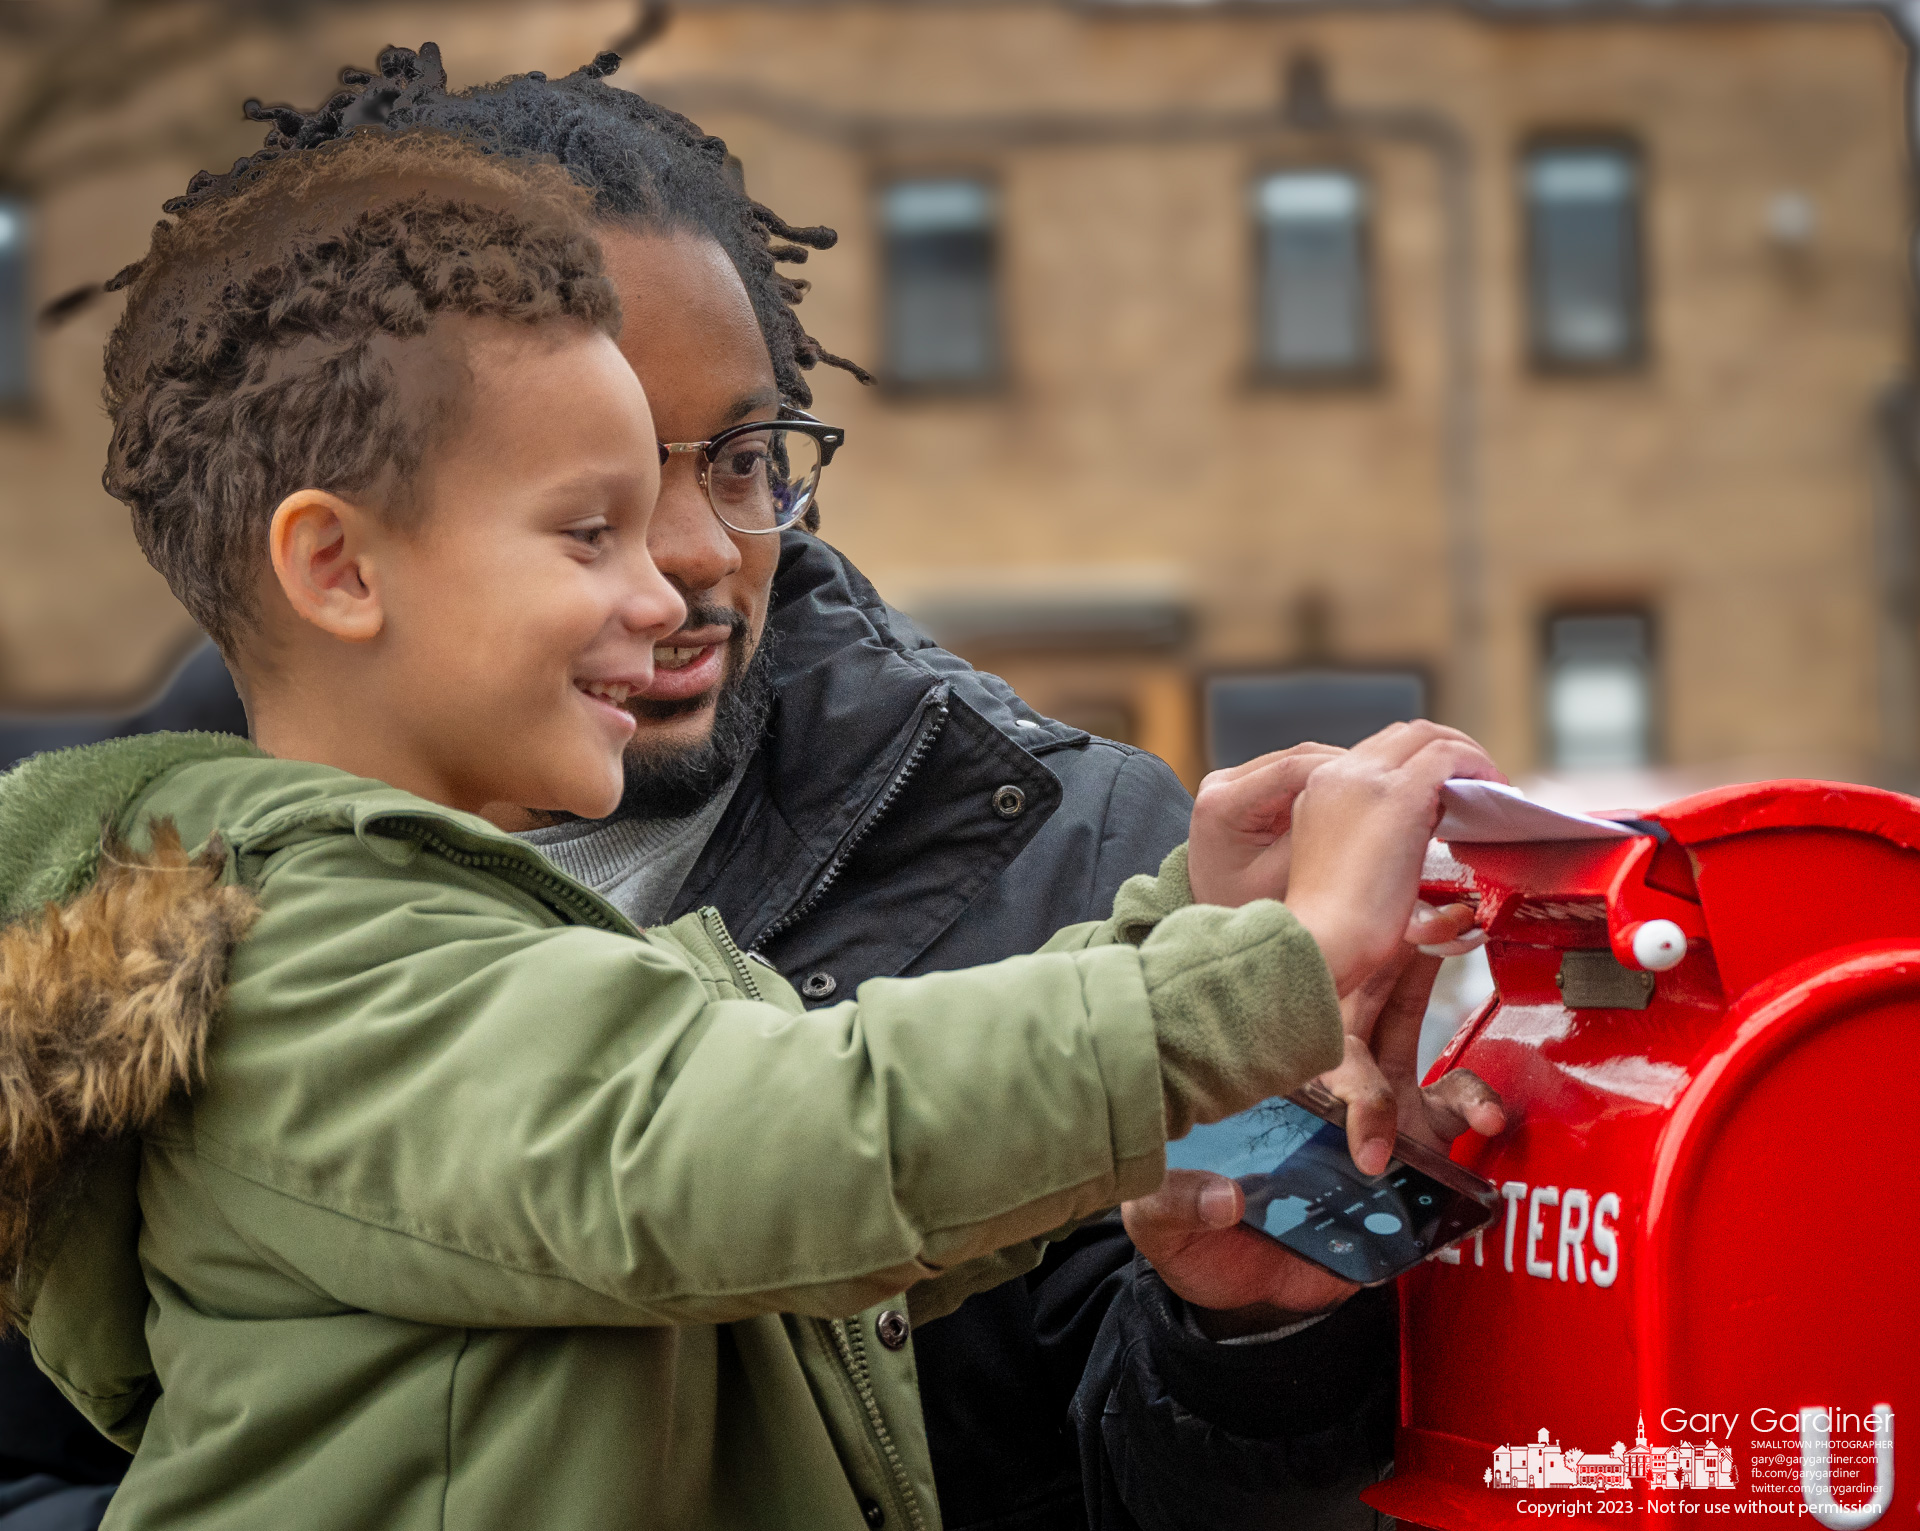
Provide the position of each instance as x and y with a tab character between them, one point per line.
761	476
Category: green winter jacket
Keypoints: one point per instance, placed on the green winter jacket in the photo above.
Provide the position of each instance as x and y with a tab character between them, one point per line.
369	1172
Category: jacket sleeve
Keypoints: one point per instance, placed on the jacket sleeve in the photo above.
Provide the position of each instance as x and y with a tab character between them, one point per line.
1177	1432
426	1099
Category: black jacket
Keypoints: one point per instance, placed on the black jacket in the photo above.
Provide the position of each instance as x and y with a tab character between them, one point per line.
909	814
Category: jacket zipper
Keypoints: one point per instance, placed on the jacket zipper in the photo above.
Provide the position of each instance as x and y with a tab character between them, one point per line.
717	932
562	890
849	1343
931	722
852	1346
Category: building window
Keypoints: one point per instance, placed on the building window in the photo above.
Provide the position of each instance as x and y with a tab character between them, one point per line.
1250	715
942	307
1315	314
1599	693
15	320
1583	243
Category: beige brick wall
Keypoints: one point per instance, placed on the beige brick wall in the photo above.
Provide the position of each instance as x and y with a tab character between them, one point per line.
1728	483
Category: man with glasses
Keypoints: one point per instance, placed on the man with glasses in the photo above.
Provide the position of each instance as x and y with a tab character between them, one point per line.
860	803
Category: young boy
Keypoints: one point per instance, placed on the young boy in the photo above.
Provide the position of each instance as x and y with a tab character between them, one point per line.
363	1169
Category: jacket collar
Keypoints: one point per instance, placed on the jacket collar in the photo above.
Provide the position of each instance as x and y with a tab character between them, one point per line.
863	699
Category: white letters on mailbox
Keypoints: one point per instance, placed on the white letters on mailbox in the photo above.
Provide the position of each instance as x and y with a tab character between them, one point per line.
1585	1246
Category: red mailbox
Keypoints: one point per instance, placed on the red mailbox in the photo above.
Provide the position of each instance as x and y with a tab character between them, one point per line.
1703	1295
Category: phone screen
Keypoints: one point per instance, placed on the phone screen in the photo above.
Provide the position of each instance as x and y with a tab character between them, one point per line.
1303	1189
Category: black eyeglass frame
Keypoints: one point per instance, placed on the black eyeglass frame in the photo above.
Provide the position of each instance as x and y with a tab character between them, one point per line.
828	437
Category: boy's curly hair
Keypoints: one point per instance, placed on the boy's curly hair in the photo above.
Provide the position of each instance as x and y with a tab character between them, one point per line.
256	354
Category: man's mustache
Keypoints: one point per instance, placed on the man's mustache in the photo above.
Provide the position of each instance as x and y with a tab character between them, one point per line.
700	615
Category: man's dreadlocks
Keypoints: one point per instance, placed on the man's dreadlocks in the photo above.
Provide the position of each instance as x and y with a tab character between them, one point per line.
647	167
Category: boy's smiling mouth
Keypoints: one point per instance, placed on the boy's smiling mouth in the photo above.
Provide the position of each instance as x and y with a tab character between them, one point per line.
609	698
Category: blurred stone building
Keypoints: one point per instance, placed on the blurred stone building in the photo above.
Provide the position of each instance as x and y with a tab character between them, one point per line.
1248	370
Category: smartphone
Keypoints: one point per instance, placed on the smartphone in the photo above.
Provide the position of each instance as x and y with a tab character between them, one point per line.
1304	1191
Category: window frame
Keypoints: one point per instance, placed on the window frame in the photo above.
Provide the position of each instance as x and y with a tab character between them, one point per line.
997	378
1264	371
1651	661
1637	355
23	404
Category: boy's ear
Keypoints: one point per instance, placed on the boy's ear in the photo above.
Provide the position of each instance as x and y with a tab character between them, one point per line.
323	557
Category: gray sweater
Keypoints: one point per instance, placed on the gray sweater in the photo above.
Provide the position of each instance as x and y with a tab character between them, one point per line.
637	865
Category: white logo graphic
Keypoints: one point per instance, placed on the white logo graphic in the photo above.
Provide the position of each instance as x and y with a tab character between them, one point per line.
1546	1464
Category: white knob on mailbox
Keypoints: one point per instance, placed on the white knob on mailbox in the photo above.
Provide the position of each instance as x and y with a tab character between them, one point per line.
1658	945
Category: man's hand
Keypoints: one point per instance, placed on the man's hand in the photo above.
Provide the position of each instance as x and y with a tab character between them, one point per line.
1240	1281
1237	844
1379	1076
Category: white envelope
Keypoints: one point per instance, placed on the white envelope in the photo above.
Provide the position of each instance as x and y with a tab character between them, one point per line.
1478	811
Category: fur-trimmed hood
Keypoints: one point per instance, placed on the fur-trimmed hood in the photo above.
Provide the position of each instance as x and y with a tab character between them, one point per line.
104	1008
113	963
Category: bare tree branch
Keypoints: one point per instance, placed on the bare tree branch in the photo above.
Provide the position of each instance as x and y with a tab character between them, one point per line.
653	19
93	65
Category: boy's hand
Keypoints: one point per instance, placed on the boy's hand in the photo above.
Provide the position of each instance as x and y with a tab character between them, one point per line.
1359	832
1237	844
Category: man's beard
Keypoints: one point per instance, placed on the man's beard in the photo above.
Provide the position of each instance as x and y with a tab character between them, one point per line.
670	781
